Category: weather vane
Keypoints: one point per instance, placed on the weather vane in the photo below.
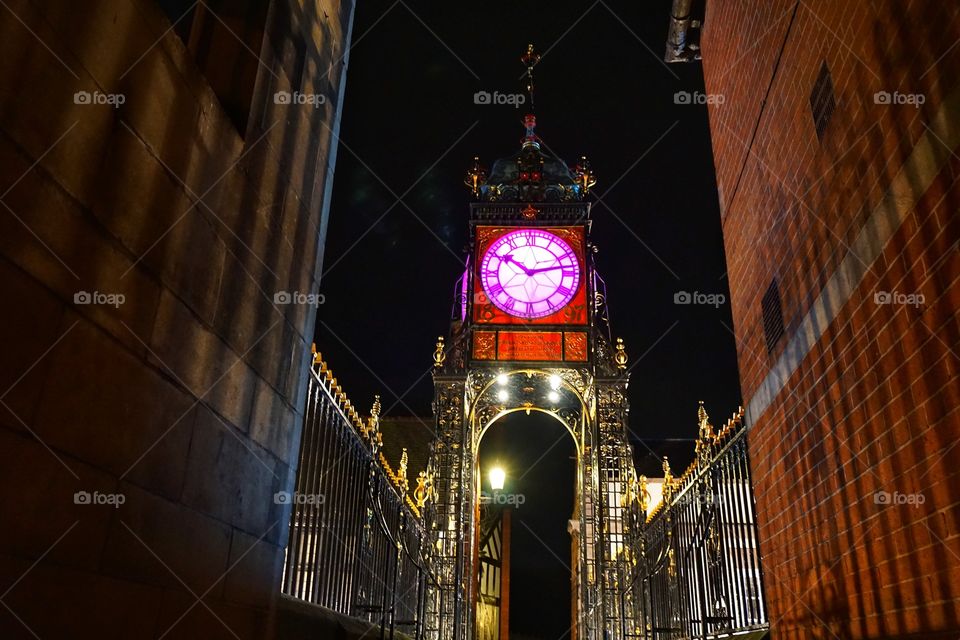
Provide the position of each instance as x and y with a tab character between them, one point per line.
530	59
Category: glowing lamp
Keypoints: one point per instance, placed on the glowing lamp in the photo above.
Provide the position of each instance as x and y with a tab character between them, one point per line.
497	478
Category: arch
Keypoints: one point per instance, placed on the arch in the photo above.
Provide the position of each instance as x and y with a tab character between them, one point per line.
479	426
542	373
482	430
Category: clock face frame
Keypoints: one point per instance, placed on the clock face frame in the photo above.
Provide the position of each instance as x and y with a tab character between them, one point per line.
530	273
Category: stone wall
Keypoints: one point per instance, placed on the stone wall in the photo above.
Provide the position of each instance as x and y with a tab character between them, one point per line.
144	234
854	410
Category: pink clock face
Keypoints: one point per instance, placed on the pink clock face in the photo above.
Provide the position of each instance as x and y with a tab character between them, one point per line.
530	273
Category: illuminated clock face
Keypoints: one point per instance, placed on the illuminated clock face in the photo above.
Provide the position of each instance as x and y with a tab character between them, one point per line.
530	273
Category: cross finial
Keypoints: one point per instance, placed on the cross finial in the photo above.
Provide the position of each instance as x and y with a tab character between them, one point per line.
530	59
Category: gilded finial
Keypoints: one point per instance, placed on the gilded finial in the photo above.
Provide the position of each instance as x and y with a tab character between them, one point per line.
316	354
620	357
372	430
584	175
420	493
438	354
402	472
644	495
667	482
476	177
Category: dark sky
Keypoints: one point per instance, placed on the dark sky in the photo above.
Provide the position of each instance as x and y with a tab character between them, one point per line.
410	129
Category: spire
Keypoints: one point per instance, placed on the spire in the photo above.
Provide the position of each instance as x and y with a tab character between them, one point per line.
530	60
534	174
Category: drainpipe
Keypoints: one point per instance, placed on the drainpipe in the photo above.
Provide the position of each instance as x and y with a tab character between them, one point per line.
679	49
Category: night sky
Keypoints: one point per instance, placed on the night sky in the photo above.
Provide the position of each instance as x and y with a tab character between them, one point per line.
398	220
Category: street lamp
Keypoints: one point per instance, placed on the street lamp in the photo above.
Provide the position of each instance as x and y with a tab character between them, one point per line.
497	477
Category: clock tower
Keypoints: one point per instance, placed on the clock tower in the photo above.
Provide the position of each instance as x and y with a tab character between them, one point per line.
530	331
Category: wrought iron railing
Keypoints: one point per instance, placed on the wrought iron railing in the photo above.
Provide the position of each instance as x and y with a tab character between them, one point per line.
694	562
355	533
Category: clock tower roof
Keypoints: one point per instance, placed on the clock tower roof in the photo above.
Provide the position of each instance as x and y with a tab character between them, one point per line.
531	174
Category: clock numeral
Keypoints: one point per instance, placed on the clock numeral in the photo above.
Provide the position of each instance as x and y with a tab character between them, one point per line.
529	308
494	290
564	291
570	271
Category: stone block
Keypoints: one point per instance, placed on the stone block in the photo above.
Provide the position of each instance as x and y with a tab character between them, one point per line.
31	311
159	221
159	542
229	476
201	361
38	491
114	412
256	570
51	601
50	237
38	105
272	421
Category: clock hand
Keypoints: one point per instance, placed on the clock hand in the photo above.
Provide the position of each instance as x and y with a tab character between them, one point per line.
509	258
542	269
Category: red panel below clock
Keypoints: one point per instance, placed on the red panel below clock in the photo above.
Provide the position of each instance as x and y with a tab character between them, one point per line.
537	346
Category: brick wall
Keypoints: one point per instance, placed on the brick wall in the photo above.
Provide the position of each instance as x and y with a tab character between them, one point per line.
183	399
860	396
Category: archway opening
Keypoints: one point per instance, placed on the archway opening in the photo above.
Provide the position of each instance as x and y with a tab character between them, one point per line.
539	458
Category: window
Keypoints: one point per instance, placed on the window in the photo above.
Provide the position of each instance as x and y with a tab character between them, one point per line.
224	37
772	316
822	100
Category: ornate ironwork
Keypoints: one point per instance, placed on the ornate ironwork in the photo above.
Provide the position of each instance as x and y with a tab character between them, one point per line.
699	573
355	535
